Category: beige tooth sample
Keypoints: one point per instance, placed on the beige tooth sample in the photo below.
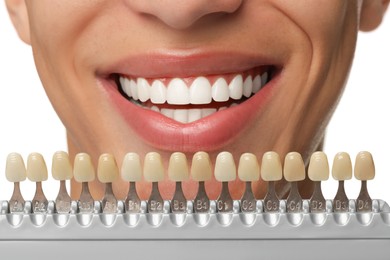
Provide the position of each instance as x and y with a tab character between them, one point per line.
84	172
225	171
271	171
364	170
61	170
225	168
248	171
107	173
294	171
201	171
154	172
178	171
318	171
341	171
15	171
131	171
37	172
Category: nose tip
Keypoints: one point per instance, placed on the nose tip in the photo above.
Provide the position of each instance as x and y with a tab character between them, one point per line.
181	14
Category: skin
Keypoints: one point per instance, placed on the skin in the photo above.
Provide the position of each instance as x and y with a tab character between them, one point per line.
313	40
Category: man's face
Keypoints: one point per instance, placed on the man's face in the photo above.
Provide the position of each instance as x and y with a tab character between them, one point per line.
240	76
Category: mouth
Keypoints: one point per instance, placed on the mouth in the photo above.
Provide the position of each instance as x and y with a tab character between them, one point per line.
193	101
189	99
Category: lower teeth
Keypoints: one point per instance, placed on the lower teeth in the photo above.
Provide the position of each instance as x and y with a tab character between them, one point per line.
188	115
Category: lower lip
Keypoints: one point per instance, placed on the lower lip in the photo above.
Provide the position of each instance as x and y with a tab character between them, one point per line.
207	134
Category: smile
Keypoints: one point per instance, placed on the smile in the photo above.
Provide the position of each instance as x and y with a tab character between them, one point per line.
189	99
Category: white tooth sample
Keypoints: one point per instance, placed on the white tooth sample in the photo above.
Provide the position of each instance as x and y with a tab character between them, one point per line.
153	167
364	166
143	89
36	168
61	168
248	167
225	168
208	111
236	87
248	85
194	114
264	78
158	92
167	112
342	167
256	84
83	170
131	170
178	92
134	89
178	167
201	167
180	115
220	90
107	170
294	167
318	167
15	170
200	91
271	167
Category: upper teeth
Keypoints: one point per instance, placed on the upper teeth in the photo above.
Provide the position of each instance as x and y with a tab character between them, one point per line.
200	92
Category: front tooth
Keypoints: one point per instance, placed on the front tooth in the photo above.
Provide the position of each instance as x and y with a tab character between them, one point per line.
194	114
235	87
256	84
220	90
143	89
208	111
200	91
247	88
134	89
178	93
158	92
364	166
167	112
180	115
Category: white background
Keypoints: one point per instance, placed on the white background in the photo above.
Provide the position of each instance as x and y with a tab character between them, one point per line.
29	124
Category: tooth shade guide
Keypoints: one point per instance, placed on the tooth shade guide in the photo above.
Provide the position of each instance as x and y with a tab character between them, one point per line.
341	171
364	170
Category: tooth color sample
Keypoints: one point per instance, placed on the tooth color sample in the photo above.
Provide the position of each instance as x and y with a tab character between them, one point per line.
364	166
342	167
61	168
15	170
36	168
271	167
248	167
294	167
83	170
225	168
131	170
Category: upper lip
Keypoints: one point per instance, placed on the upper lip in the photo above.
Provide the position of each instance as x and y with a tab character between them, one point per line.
186	63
